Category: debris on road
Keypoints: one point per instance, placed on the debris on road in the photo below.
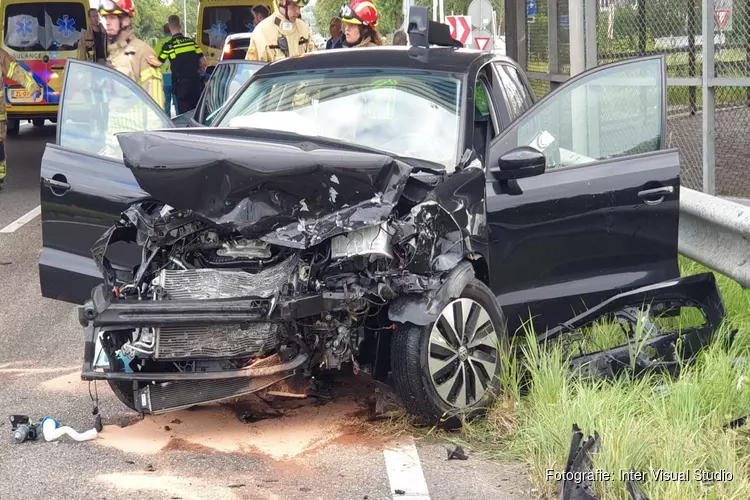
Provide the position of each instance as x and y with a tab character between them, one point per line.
457	454
52	430
23	429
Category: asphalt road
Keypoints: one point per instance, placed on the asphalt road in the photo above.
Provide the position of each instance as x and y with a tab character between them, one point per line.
310	452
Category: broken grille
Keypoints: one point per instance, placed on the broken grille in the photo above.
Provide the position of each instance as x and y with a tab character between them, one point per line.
215	341
206	284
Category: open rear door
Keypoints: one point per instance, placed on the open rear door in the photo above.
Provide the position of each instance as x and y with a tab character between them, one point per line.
84	182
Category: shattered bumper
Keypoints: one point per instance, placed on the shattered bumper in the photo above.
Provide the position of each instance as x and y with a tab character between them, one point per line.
100	315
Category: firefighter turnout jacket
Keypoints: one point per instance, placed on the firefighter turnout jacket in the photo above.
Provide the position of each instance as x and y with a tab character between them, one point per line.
135	59
13	71
276	38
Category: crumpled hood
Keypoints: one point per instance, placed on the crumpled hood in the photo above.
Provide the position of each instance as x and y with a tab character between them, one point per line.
273	186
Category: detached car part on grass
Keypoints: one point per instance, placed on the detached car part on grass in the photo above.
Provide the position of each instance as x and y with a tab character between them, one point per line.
650	348
577	483
249	277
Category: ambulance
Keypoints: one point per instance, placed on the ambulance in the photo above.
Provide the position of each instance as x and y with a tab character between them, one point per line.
217	19
41	35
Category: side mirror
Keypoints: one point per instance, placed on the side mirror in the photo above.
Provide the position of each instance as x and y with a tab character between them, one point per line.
519	163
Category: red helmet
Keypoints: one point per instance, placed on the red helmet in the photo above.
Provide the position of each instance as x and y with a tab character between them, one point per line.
117	8
360	12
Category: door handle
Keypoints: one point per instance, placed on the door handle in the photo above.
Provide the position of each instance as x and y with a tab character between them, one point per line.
648	195
58	187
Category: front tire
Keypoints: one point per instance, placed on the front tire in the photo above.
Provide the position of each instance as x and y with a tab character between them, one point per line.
14	127
449	370
38	123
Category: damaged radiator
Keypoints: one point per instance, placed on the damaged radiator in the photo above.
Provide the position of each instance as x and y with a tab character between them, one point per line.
168	396
215	341
207	284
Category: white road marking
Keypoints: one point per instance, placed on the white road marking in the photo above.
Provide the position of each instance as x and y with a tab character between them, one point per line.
405	471
13	226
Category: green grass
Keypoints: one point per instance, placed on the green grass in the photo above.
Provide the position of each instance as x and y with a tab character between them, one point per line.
647	424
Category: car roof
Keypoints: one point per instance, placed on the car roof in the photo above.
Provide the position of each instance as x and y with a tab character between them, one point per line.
235	36
447	59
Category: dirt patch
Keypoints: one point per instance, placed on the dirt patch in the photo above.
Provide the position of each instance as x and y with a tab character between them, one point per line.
14	370
186	488
71	383
179	444
219	428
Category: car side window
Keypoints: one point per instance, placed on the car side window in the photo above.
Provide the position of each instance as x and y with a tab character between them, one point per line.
226	80
485	120
517	96
100	103
612	112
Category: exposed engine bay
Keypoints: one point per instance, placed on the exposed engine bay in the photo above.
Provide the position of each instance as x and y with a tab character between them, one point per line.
232	297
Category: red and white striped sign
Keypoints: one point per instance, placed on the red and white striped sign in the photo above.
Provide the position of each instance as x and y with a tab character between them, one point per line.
460	27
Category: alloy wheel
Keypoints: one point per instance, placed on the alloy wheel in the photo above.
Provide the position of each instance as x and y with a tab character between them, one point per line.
463	353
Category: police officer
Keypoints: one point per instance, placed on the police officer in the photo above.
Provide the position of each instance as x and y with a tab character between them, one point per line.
187	63
13	71
282	34
127	54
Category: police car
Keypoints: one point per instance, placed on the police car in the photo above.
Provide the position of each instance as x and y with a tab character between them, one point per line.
432	204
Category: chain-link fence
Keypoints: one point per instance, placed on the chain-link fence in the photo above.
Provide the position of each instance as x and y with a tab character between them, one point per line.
631	28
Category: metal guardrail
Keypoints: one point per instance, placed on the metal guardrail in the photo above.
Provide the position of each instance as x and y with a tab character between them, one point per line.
716	233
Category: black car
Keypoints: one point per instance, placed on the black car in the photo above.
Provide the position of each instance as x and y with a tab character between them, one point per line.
394	210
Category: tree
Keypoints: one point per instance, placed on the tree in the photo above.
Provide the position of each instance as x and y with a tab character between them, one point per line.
151	16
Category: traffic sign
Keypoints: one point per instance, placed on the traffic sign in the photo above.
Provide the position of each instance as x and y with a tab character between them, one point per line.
530	8
722	16
480	12
482	42
460	27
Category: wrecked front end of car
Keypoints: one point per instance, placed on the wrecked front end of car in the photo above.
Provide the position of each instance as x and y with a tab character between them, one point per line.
251	274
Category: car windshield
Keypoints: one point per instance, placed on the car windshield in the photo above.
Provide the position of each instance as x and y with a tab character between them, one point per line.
32	27
408	113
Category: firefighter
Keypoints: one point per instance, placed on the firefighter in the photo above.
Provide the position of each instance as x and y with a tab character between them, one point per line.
13	71
282	34
360	19
136	60
187	63
127	54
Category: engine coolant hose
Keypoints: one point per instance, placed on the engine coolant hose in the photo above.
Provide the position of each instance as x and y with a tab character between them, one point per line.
52	430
